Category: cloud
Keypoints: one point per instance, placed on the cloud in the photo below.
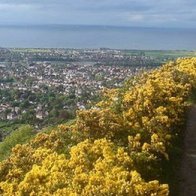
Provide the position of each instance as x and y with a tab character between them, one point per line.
14	7
135	17
106	12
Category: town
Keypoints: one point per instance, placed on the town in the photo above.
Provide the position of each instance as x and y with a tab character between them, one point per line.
43	86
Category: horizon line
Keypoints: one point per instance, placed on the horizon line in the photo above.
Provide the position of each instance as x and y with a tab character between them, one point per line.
91	25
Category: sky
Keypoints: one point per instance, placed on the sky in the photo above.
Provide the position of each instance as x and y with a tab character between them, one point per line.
144	13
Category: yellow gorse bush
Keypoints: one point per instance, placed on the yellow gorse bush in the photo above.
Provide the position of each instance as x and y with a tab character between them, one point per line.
113	149
93	168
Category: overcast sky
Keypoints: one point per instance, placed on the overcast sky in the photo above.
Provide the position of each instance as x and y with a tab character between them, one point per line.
158	13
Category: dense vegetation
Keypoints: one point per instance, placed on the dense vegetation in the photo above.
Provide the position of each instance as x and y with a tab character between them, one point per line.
119	147
49	101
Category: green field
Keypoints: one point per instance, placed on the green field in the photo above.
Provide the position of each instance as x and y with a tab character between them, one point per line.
170	53
40	50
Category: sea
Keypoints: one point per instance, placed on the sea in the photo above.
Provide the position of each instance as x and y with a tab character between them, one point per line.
80	37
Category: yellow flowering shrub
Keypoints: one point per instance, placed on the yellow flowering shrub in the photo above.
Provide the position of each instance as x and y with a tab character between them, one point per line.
96	123
93	168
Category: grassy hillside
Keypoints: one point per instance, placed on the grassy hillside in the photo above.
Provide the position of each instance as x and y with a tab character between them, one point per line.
122	146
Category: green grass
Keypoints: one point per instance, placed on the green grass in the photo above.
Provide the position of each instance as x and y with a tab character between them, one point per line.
20	136
7	127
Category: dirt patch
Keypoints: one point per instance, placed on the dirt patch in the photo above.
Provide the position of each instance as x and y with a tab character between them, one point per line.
188	166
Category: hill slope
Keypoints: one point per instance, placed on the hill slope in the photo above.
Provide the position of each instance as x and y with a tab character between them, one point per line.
122	146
